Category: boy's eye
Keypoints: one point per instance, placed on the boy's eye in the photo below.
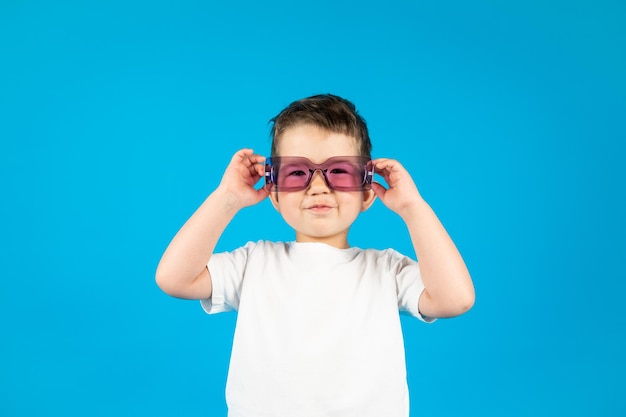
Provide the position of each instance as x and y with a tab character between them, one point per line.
296	173
342	168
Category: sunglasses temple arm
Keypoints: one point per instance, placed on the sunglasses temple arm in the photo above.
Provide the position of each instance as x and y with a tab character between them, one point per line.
267	175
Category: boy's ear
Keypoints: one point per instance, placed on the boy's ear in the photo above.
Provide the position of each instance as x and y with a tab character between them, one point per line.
274	200
368	199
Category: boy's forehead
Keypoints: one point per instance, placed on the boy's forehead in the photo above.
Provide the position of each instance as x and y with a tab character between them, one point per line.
315	143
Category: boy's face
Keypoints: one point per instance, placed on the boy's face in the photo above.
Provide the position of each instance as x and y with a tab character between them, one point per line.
318	213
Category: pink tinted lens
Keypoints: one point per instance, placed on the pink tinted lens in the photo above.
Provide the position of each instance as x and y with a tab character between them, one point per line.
344	174
293	174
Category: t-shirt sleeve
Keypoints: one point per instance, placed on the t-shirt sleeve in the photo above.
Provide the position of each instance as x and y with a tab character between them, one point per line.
227	272
409	285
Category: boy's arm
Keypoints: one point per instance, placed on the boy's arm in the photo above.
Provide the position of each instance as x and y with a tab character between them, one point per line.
182	271
449	290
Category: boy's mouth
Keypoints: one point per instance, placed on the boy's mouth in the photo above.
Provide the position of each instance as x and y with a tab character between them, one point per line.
319	207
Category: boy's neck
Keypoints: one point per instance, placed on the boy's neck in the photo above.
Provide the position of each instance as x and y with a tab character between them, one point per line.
339	242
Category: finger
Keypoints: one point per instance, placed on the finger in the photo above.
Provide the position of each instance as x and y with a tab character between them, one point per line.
262	193
252	168
383	171
247	159
381	168
252	158
379	190
385	164
382	161
247	155
259	169
241	154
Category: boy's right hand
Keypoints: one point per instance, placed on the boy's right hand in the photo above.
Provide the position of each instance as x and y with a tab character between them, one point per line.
243	172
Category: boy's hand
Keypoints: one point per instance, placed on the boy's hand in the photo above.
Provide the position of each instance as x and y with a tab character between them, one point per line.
402	193
243	172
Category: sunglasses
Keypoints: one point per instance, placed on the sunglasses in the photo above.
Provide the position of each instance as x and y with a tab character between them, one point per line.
341	173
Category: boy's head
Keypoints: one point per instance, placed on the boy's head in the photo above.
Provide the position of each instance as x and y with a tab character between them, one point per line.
320	161
327	112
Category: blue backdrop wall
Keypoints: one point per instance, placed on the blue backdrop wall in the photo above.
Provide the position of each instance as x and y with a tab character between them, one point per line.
118	118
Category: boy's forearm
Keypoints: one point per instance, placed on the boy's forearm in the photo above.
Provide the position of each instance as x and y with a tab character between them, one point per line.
448	286
190	250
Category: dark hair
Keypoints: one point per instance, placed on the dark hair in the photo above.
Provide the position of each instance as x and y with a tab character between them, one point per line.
325	111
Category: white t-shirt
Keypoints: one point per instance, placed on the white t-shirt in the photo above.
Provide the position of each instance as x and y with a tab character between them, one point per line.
318	331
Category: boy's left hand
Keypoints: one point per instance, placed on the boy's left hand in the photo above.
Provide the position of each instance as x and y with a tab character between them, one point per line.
402	192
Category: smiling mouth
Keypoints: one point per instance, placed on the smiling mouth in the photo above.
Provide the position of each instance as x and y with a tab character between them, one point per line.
319	207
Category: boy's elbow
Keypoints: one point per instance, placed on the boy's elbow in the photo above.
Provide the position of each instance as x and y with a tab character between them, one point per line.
166	282
447	305
466	302
464	298
162	281
193	288
169	287
457	306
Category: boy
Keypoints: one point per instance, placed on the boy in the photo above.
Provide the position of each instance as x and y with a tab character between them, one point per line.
318	331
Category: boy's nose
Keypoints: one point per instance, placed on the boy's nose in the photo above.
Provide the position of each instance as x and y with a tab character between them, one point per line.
318	182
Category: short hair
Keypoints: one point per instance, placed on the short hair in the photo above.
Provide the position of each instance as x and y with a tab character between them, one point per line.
325	111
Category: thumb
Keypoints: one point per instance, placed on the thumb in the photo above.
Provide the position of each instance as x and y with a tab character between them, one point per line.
261	194
379	190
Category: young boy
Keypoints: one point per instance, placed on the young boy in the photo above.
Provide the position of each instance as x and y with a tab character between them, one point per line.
318	331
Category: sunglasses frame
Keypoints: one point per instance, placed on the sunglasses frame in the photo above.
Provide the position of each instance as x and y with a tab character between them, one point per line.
363	161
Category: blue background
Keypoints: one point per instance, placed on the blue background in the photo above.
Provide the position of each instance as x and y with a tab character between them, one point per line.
118	118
